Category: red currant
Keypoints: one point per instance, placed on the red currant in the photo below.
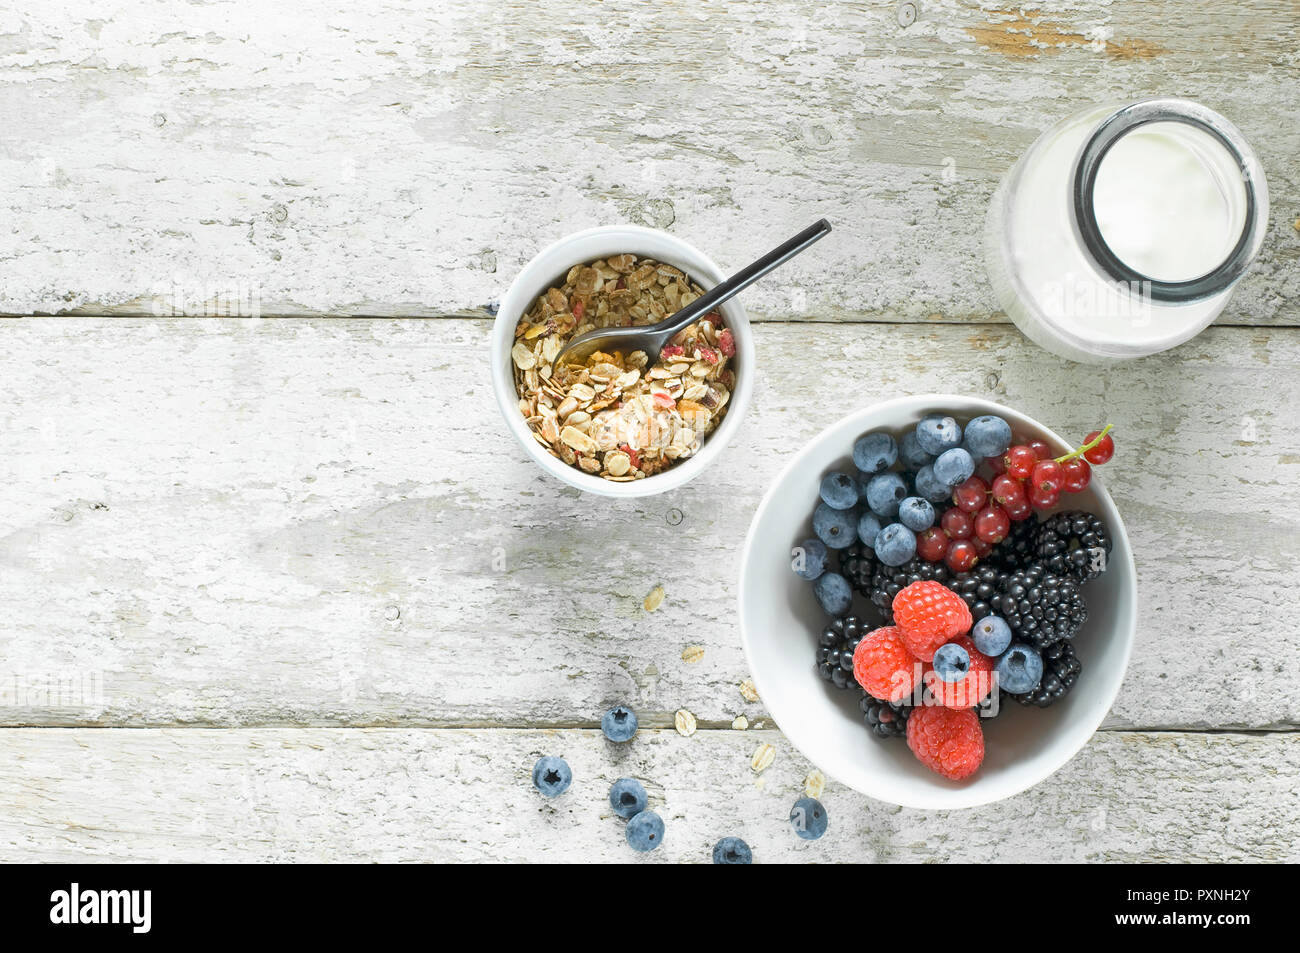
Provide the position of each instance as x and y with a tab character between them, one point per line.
1042	499
1041	449
992	524
1018	509
971	495
1020	462
1077	475
1007	489
1048	476
957	523
932	545
982	548
1104	450
998	465
962	555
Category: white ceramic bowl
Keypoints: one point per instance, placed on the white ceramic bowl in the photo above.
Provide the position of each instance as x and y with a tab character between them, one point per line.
548	269
780	621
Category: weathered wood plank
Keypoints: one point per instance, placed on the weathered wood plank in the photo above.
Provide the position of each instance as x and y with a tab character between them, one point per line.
447	795
408	158
323	522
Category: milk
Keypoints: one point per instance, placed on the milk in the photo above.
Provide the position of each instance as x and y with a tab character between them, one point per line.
1170	203
1163	205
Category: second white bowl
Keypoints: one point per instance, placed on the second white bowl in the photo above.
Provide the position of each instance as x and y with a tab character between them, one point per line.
780	621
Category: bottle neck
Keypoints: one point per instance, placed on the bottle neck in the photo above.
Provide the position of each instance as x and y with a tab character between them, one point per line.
1083	183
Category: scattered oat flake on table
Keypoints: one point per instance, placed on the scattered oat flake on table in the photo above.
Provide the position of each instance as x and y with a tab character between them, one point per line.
748	690
763	757
692	654
740	723
814	784
655	599
685	722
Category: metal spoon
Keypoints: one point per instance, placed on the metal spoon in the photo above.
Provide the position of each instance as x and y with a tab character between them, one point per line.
651	338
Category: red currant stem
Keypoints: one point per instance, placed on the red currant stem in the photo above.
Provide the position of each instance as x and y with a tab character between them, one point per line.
1075	454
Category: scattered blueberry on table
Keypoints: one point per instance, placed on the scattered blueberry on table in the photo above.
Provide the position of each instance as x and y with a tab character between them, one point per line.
627	797
619	724
808	818
645	831
551	776
732	850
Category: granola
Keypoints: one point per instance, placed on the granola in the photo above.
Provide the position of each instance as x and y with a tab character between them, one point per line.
613	416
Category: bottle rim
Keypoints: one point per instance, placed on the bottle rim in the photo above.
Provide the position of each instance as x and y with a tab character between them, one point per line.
1083	181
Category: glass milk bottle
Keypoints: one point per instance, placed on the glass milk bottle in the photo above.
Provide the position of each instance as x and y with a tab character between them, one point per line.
1121	232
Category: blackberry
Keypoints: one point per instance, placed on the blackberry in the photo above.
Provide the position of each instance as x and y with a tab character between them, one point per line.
978	587
1073	543
885	719
1016	552
1061	668
835	650
889	581
1042	608
857	563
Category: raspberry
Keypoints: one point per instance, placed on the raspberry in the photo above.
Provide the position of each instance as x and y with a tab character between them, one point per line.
930	614
727	343
947	740
883	666
972	689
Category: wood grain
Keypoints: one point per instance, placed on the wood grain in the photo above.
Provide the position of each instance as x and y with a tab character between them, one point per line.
447	795
408	159
319	522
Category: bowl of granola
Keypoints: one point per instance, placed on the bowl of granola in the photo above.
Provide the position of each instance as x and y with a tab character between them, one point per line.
619	424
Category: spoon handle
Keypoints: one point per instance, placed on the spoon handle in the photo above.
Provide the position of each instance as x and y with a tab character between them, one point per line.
742	279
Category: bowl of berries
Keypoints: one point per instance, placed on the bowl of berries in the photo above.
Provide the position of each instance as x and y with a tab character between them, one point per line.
938	600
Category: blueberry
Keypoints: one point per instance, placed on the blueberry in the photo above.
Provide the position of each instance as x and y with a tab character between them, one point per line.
954	466
840	491
910	452
937	433
988	436
627	797
808	818
645	831
732	850
1019	669
834	593
991	635
552	776
838	529
951	662
808	559
895	544
885	492
930	486
868	527
915	513
874	452
619	723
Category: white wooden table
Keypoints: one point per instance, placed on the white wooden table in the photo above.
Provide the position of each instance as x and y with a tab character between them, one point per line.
280	587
